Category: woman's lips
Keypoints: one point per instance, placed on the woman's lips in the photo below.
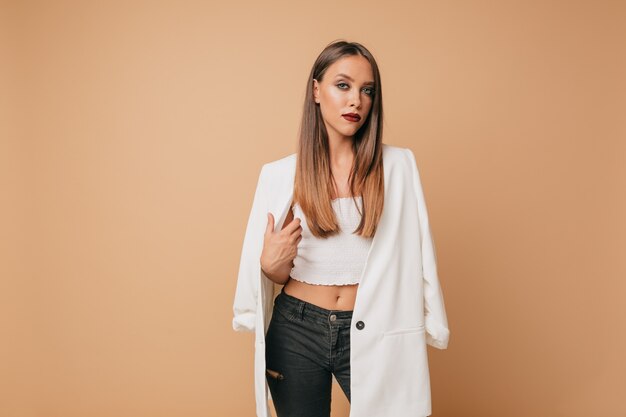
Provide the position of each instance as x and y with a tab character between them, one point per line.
350	118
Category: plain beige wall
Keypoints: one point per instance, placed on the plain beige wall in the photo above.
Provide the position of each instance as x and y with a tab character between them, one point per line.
132	137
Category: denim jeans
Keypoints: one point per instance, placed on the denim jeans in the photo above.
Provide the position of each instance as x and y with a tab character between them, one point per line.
304	346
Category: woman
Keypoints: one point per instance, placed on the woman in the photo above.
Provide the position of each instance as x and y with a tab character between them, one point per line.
321	273
319	252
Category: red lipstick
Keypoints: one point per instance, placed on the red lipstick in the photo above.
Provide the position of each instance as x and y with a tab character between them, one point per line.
353	117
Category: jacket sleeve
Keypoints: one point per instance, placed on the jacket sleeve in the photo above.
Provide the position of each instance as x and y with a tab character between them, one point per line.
249	276
436	322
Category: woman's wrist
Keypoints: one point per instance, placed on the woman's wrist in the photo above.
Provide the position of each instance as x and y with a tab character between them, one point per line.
277	273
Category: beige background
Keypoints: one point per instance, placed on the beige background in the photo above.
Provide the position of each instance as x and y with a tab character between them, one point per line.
132	137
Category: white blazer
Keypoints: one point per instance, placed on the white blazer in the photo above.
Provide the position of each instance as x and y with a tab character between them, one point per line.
399	299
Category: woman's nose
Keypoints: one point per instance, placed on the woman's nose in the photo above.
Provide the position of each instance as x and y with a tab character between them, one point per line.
355	99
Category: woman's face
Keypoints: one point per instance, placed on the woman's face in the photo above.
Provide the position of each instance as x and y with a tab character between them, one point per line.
347	87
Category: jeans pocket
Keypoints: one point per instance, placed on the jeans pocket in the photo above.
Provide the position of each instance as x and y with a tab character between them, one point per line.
281	315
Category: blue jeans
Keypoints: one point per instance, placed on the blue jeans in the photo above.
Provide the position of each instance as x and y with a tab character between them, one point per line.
304	346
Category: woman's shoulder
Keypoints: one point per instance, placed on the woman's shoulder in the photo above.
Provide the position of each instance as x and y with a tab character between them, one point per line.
393	150
284	160
279	173
288	162
291	158
399	153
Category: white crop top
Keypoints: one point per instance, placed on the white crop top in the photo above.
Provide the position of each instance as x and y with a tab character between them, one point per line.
338	259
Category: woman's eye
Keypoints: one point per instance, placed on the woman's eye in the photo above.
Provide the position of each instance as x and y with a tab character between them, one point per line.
369	91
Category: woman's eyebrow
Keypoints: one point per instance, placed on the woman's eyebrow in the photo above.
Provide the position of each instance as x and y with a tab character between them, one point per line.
351	79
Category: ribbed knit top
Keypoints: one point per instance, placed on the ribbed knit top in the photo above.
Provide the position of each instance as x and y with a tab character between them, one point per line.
337	259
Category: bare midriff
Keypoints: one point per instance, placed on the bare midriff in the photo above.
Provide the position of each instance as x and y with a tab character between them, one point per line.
330	297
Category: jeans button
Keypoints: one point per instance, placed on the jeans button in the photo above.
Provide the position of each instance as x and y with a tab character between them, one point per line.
333	317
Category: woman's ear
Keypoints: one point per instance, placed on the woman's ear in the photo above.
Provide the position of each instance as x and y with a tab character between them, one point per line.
316	91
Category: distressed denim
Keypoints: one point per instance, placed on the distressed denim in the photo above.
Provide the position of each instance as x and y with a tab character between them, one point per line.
305	346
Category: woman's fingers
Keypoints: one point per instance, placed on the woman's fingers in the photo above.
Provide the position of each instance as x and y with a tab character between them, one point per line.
297	232
270	223
295	238
293	225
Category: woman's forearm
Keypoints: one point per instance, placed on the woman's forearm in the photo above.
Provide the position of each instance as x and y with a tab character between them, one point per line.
279	274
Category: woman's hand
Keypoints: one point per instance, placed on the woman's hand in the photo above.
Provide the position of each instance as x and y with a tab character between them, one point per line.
279	249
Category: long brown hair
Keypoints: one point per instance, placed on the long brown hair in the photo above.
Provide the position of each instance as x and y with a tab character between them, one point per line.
314	180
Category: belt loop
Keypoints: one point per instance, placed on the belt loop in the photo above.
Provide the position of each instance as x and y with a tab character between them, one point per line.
301	310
